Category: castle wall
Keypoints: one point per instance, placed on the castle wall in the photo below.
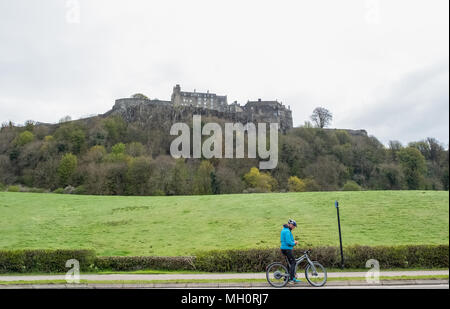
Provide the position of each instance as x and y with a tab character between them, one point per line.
208	104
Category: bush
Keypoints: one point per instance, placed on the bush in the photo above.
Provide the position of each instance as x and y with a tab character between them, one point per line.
351	185
251	260
131	263
80	190
158	192
67	167
311	185
36	190
22	261
13	189
69	190
59	191
24	138
2	187
295	184
255	260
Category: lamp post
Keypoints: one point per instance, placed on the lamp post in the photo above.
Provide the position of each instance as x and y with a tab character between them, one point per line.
336	204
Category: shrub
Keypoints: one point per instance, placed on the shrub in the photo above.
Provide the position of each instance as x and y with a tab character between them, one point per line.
259	181
44	260
80	190
24	138
255	260
36	190
158	192
351	185
59	191
67	167
2	187
311	185
250	260
131	263
69	190
295	184
13	189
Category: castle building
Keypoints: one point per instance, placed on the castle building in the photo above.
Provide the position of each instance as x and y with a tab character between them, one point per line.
199	99
212	104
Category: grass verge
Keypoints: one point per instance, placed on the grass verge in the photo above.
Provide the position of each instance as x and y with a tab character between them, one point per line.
211	281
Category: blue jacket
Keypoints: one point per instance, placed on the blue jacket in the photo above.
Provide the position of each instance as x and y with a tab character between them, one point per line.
286	238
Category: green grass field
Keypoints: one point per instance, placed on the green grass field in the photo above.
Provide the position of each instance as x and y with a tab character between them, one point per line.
183	225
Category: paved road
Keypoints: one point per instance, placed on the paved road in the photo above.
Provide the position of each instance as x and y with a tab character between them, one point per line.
397	284
211	276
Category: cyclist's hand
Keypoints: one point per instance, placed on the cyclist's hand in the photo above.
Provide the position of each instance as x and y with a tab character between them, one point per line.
296	242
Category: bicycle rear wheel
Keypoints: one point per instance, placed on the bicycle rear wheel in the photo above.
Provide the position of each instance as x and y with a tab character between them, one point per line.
277	275
317	277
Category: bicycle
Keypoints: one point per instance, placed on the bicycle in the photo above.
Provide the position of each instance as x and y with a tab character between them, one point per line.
278	275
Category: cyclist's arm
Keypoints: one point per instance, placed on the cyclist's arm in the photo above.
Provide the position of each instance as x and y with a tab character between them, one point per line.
293	242
289	239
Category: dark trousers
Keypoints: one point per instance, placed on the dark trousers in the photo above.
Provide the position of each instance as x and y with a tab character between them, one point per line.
291	259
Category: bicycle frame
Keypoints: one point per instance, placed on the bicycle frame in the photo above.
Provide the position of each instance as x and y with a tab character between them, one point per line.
301	259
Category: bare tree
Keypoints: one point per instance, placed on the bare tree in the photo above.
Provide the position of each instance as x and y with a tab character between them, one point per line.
321	117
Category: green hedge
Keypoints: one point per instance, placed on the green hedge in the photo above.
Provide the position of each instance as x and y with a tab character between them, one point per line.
253	260
131	263
26	261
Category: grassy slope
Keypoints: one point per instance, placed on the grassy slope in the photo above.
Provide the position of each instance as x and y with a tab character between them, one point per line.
181	225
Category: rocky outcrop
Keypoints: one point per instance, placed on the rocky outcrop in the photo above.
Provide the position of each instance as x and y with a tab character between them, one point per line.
162	114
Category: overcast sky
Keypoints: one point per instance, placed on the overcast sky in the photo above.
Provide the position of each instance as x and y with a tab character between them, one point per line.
376	65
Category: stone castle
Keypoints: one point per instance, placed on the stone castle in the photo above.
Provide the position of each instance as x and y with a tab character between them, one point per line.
210	104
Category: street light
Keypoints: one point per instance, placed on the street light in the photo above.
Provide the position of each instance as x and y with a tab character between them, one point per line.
336	204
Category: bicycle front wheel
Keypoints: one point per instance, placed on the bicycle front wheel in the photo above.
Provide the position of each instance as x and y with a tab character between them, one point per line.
277	275
317	275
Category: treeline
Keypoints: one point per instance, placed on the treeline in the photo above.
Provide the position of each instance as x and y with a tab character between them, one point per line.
109	156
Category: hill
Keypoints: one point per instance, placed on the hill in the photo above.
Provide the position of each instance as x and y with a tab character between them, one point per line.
126	151
182	225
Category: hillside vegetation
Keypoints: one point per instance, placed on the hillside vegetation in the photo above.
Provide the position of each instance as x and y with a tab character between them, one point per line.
110	156
183	225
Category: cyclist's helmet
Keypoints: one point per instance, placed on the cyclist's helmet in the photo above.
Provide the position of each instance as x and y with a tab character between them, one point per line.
292	221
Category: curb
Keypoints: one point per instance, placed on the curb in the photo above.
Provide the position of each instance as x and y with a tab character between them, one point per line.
219	285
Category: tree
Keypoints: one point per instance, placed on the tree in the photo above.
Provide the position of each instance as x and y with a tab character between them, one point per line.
228	181
203	178
135	149
388	176
161	168
95	154
413	164
394	148
78	141
321	117
328	172
139	96
67	167
65	119
138	176
351	185
295	184
118	153
259	182
116	129
24	138
179	178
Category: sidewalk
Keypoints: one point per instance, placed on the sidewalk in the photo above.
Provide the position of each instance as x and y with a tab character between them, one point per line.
384	284
214	276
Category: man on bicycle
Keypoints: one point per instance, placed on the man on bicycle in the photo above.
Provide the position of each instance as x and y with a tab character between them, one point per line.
287	243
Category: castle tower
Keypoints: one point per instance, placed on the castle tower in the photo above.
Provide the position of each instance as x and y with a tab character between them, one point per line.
176	95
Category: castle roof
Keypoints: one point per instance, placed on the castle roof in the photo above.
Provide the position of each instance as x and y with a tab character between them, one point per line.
264	103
